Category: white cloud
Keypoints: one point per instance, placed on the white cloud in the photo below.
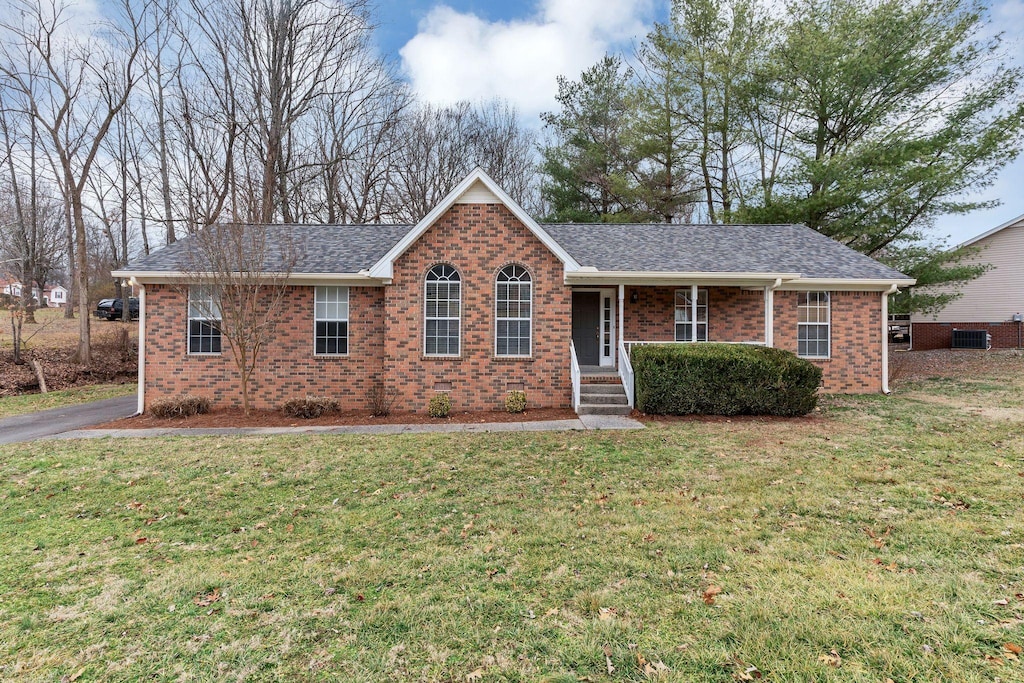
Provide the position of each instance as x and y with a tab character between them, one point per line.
459	56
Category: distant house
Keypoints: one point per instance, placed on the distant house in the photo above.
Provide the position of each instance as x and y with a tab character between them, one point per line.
993	302
52	297
478	299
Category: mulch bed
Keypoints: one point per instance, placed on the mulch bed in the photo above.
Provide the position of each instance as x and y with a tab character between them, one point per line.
269	418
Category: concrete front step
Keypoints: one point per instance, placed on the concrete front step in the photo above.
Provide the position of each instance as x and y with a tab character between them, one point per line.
591	409
603	399
588	389
613	399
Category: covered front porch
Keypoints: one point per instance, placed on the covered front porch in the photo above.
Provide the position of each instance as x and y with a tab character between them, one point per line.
608	320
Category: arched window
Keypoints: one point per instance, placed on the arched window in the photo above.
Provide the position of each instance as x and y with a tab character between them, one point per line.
514	312
442	311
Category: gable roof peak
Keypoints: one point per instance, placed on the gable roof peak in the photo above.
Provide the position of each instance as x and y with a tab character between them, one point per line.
483	187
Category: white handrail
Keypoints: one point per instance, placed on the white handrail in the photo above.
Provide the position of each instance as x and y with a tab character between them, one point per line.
626	373
575	374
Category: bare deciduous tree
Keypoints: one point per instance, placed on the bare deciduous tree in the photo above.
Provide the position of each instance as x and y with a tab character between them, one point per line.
237	281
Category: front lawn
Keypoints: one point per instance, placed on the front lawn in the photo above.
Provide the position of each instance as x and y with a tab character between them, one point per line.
880	539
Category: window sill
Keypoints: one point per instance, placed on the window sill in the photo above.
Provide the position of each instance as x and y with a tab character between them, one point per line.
331	355
204	355
513	359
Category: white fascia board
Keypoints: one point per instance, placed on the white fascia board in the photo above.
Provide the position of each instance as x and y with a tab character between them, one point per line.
978	238
177	277
659	278
383	269
845	285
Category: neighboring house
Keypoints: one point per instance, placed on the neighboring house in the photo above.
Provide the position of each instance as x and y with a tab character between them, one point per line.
53	297
478	299
56	296
992	302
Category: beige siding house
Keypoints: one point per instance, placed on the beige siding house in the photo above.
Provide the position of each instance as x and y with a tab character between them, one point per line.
991	302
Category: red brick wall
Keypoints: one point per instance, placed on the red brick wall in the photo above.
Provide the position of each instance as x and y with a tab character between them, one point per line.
736	315
926	336
855	366
478	240
288	367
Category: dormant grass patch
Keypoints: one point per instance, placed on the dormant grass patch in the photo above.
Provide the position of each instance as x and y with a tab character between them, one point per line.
879	539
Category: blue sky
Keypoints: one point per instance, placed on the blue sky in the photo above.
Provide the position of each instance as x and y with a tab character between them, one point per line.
474	49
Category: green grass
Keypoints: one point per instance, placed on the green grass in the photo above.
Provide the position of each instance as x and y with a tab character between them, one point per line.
887	531
28	403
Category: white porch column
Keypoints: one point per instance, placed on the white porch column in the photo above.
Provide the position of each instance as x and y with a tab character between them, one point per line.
769	313
693	313
622	321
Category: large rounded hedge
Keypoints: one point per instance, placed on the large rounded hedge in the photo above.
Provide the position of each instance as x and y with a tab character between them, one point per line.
723	379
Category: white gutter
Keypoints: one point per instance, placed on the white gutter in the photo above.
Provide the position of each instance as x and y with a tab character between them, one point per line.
171	277
142	348
885	339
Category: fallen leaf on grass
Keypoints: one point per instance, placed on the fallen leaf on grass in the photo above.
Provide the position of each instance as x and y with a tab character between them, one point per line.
831	659
474	675
654	669
73	677
1012	647
606	648
709	594
207	599
606	613
1003	602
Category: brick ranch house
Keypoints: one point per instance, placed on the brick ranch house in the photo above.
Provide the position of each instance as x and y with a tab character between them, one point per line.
478	299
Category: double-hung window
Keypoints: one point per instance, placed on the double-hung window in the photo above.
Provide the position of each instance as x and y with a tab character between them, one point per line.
514	312
204	319
442	311
691	316
331	313
814	325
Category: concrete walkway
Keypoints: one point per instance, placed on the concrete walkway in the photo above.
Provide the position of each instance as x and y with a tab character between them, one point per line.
48	423
584	422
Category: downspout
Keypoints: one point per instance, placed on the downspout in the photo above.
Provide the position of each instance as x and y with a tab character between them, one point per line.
885	338
769	312
142	348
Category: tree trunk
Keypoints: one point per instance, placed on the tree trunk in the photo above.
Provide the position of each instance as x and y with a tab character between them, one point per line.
83	355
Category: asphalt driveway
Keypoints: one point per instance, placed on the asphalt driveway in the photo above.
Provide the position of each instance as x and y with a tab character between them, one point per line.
47	423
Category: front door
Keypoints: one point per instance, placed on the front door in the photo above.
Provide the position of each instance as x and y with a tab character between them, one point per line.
586	327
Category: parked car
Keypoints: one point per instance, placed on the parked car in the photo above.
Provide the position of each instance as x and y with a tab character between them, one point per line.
112	309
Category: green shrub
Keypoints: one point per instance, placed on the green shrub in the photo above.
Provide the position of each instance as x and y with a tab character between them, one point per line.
180	406
309	407
723	379
440	405
515	401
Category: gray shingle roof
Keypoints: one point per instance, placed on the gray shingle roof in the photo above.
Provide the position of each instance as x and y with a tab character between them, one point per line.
716	249
607	247
319	248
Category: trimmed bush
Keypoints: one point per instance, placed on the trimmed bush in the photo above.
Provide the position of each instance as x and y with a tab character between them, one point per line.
180	406
723	379
309	407
440	405
515	401
381	399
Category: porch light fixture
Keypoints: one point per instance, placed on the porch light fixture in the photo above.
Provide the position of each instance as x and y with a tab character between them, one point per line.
634	296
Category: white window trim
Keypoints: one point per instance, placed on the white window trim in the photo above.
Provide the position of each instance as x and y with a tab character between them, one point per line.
190	317
347	321
498	318
449	318
694	295
802	302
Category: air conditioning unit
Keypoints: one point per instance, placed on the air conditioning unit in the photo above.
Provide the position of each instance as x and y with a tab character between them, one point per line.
971	339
